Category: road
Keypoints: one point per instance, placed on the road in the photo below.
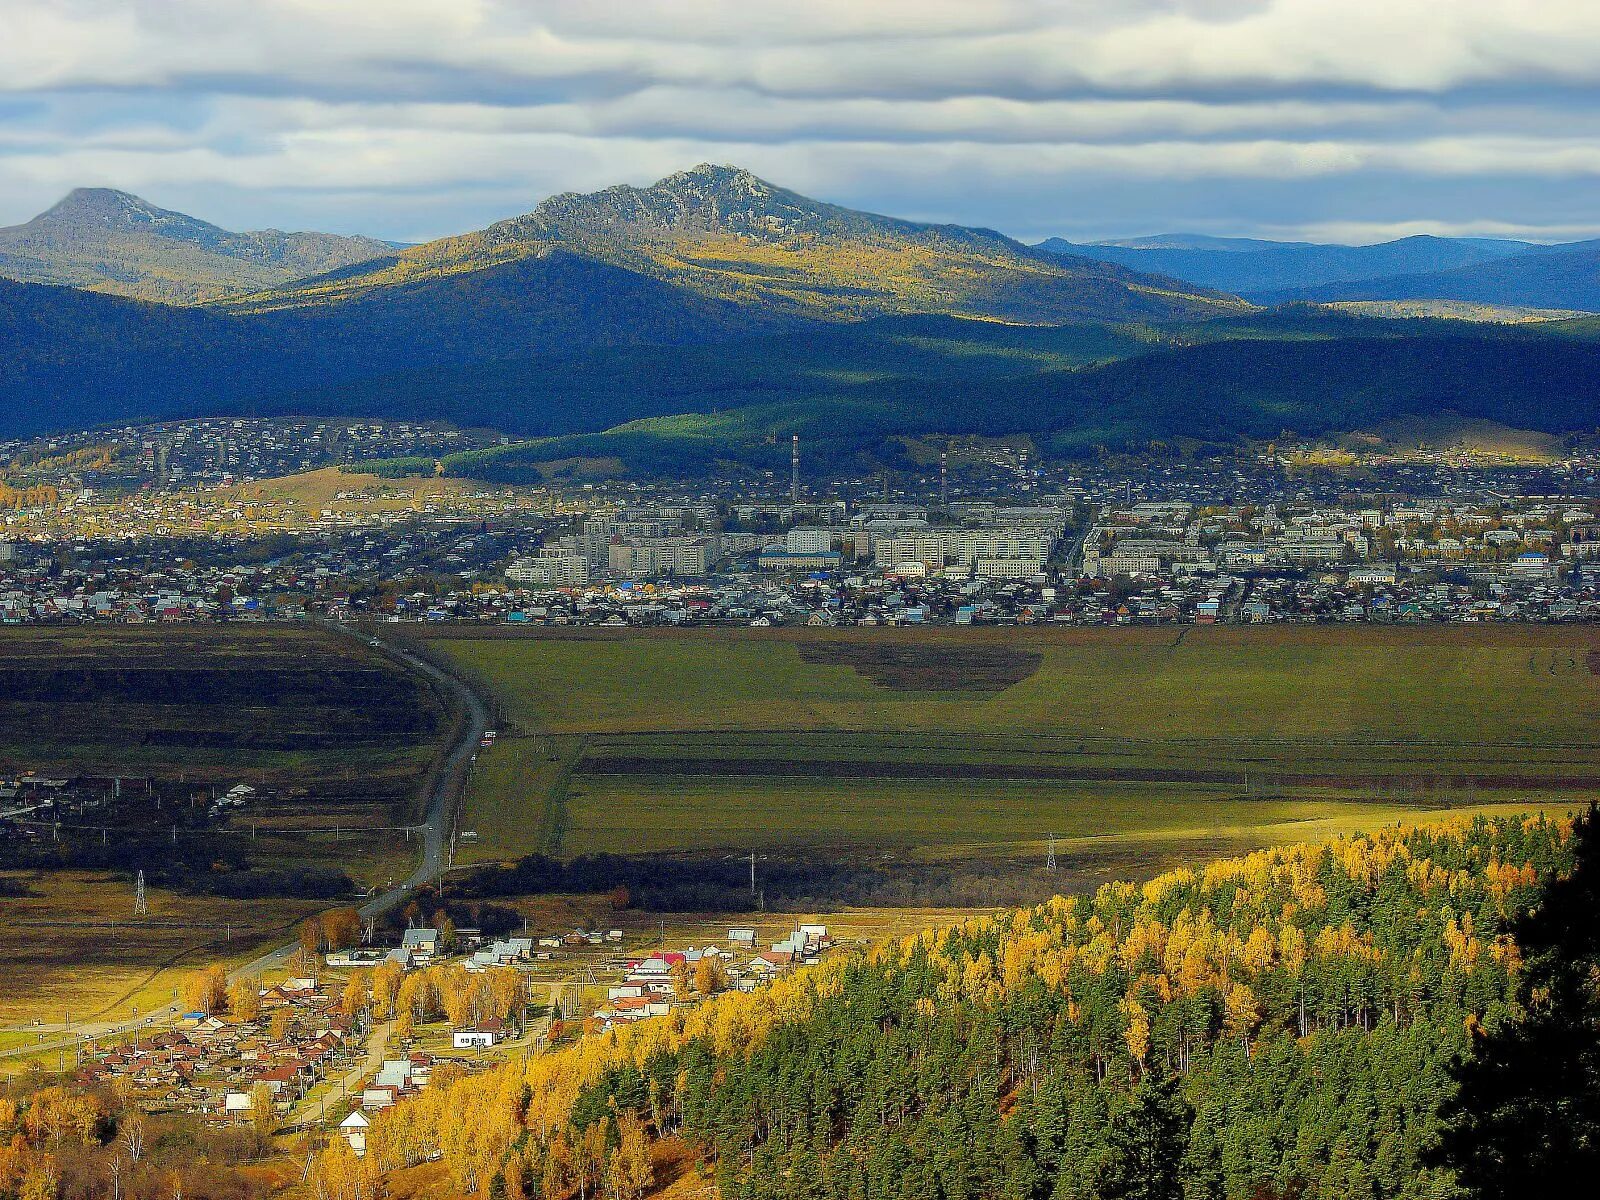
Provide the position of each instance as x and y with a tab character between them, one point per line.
312	1113
1073	562
442	804
439	814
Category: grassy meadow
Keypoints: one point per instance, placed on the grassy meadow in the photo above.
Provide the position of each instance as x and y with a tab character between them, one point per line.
73	944
944	742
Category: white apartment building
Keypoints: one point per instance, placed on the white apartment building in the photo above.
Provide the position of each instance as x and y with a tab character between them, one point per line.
809	539
647	558
553	568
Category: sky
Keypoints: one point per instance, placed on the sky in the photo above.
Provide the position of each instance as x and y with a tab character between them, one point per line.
1328	120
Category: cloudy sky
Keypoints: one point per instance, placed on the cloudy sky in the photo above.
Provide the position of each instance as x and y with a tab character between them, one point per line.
1325	119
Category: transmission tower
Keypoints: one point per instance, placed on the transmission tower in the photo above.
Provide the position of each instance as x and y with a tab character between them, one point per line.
1050	853
140	907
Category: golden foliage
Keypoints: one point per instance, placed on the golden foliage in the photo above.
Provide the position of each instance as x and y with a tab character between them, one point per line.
1165	938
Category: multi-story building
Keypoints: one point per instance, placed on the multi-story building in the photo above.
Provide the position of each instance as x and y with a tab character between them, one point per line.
809	539
645	558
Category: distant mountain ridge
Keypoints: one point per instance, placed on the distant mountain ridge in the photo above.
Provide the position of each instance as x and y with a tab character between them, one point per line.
1267	271
106	240
1563	277
728	235
717	296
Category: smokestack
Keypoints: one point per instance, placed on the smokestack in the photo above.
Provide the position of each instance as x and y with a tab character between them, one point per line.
944	477
794	470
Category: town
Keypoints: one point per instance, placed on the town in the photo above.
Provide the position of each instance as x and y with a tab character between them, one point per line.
1423	538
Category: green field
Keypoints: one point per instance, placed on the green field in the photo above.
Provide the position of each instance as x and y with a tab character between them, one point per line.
956	741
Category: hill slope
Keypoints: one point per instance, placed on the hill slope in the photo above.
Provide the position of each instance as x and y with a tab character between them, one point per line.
724	234
1279	1024
1250	266
77	358
722	379
1220	382
111	241
1563	277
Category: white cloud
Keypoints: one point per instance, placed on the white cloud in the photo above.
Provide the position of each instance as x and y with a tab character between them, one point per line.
814	47
460	104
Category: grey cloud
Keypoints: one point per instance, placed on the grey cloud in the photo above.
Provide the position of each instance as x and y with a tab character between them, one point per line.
423	116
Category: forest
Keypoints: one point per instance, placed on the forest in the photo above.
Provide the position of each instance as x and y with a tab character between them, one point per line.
1283	1024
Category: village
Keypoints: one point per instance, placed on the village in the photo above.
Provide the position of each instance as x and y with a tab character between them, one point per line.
349	1032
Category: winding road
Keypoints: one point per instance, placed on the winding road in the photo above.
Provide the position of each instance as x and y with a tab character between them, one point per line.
449	788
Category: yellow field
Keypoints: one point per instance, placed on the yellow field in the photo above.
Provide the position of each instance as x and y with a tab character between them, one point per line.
75	944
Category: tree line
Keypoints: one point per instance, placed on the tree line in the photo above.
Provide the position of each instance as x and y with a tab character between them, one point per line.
1278	1025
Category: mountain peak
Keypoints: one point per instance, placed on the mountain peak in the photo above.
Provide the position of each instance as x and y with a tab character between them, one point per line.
111	207
112	240
715	175
708	198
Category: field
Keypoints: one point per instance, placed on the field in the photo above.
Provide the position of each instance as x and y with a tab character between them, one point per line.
335	732
349	492
940	743
334	737
73	945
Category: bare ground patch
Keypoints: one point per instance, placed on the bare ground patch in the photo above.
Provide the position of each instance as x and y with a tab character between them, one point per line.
908	667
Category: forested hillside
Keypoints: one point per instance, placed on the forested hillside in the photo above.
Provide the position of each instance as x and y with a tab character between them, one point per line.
1278	1025
1253	381
682	379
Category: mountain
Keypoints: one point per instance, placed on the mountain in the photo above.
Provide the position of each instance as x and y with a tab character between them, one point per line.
716	391
1190	241
1254	268
722	233
704	257
110	241
1561	277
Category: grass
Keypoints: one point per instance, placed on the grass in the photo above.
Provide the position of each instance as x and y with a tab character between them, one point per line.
517	797
362	493
919	741
74	945
938	819
1511	684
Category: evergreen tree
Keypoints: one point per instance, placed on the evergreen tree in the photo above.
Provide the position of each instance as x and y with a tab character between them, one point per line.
1149	1139
1527	1113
